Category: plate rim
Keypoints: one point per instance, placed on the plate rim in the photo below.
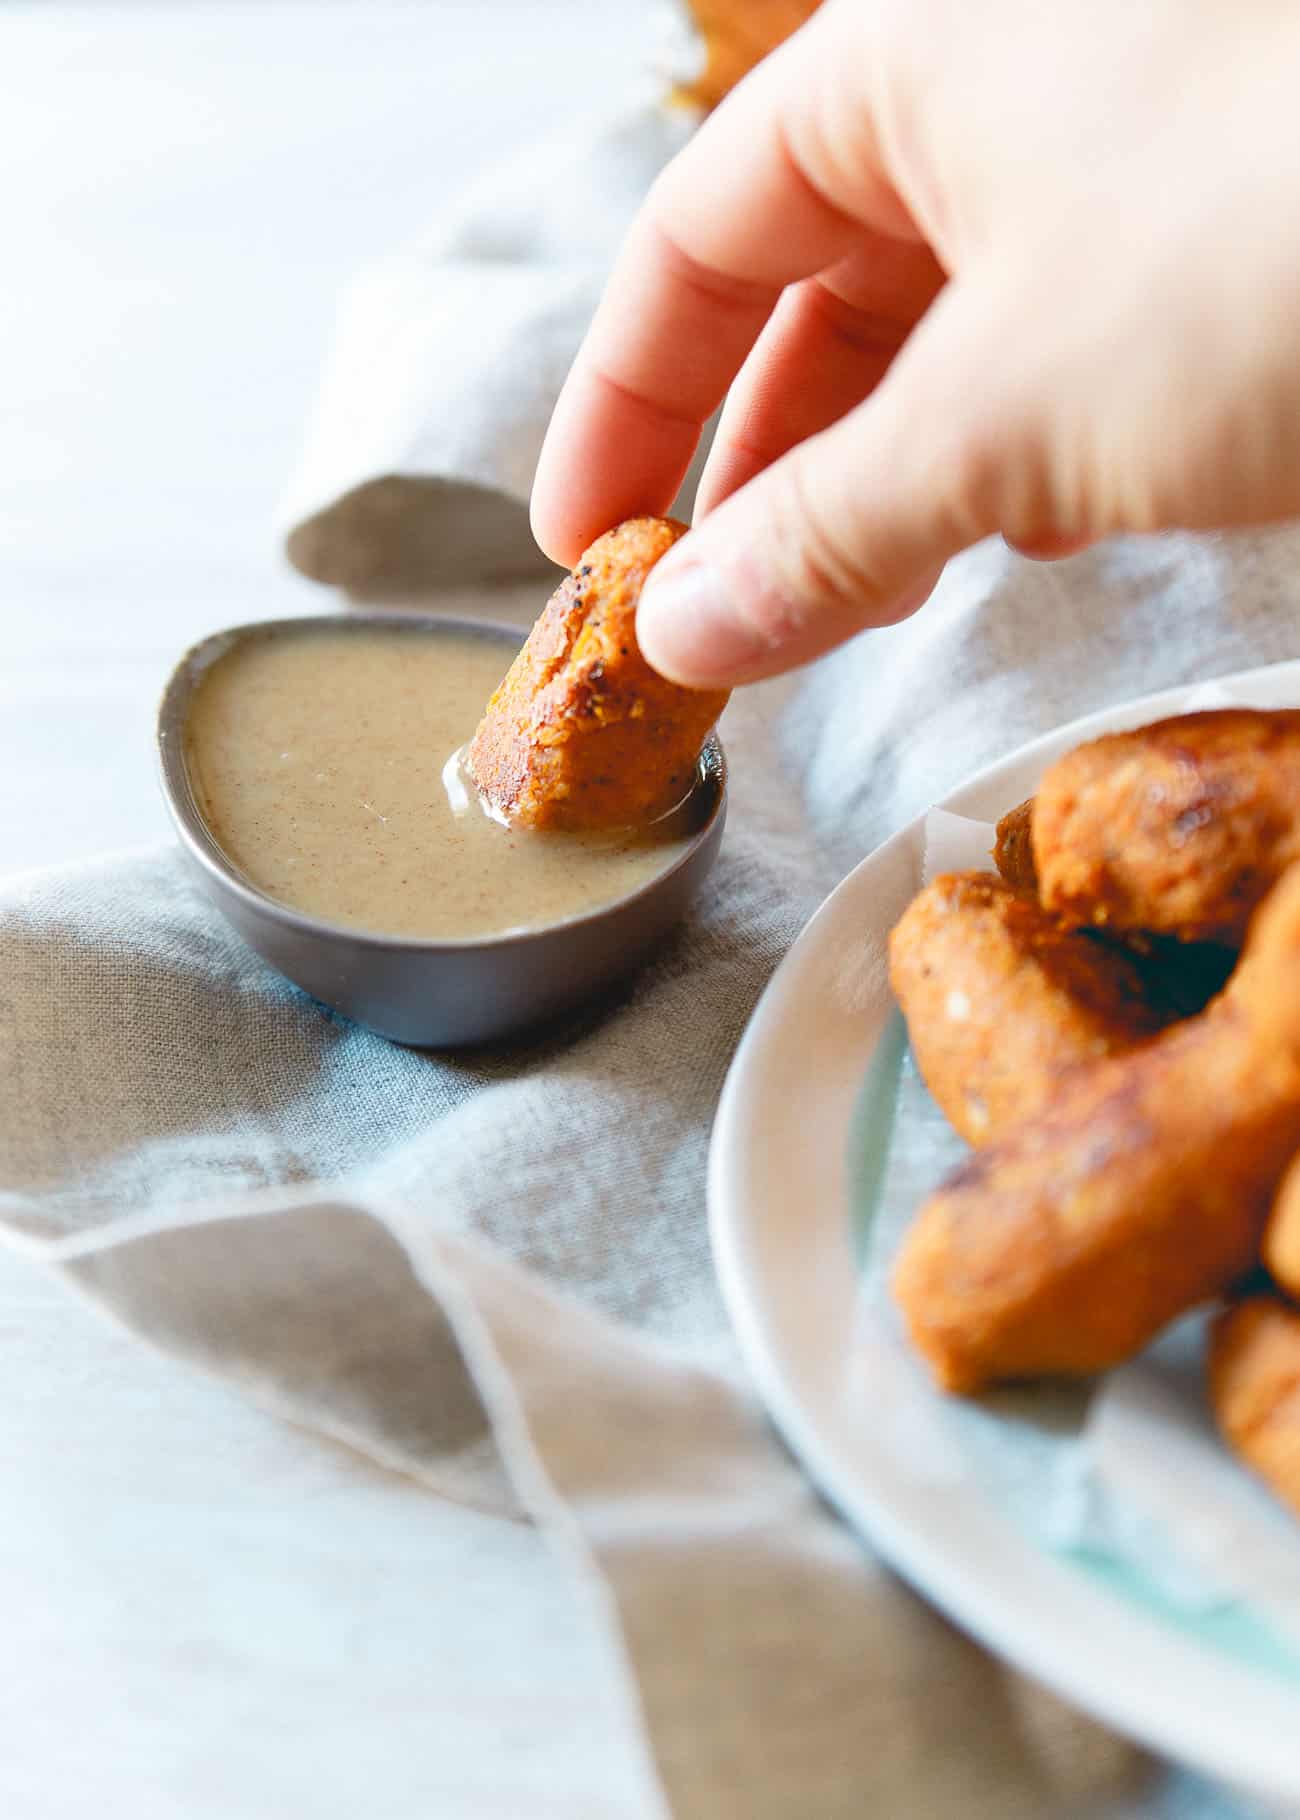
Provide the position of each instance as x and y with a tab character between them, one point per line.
1247	1747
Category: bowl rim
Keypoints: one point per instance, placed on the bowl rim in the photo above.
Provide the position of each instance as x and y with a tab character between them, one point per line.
201	845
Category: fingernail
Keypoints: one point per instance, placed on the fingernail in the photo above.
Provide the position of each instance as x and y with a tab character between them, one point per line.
689	629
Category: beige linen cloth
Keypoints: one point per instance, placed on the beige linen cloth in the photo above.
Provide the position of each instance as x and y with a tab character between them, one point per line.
489	1270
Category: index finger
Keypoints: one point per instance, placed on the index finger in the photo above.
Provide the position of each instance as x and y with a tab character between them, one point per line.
749	206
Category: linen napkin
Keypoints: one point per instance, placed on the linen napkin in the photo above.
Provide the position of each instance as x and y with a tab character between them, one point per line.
489	1270
447	358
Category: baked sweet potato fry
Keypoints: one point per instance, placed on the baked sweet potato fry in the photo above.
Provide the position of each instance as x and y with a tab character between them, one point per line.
582	733
1143	1189
1013	850
1180	828
1002	998
1281	1247
1180	976
1254	1384
736	35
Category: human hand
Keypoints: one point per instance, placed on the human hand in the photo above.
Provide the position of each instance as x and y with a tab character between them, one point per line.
965	269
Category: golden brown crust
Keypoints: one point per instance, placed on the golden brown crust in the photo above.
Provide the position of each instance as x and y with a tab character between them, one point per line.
1254	1384
1181	827
1013	850
1142	1190
737	34
1181	977
1002	998
1281	1248
582	733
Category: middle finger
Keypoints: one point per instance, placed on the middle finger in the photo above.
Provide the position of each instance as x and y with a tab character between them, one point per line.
827	345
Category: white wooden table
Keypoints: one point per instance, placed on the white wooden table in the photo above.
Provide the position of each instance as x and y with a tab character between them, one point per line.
207	1614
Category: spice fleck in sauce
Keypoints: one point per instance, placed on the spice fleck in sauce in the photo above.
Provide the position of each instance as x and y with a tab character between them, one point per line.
326	765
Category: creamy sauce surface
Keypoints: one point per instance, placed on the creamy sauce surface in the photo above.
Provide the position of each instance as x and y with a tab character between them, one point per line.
317	760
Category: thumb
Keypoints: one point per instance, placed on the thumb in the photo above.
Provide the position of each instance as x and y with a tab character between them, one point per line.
852	528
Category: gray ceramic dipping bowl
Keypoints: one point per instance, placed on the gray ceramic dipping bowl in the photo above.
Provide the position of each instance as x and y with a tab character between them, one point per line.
431	994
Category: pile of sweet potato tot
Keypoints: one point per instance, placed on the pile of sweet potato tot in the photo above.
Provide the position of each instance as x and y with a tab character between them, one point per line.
1112	1020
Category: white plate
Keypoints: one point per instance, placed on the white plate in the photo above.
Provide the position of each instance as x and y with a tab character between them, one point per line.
858	1410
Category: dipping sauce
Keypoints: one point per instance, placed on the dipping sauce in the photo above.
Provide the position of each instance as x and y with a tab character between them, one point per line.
317	760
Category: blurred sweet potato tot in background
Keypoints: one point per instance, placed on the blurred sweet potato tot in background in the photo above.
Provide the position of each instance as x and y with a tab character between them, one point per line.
1002	998
1180	828
1254	1382
1143	1189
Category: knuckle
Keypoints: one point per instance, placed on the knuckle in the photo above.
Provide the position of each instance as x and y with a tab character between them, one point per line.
818	563
1014	476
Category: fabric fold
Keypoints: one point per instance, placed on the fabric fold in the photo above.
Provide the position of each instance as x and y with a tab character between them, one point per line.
447	359
489	1270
